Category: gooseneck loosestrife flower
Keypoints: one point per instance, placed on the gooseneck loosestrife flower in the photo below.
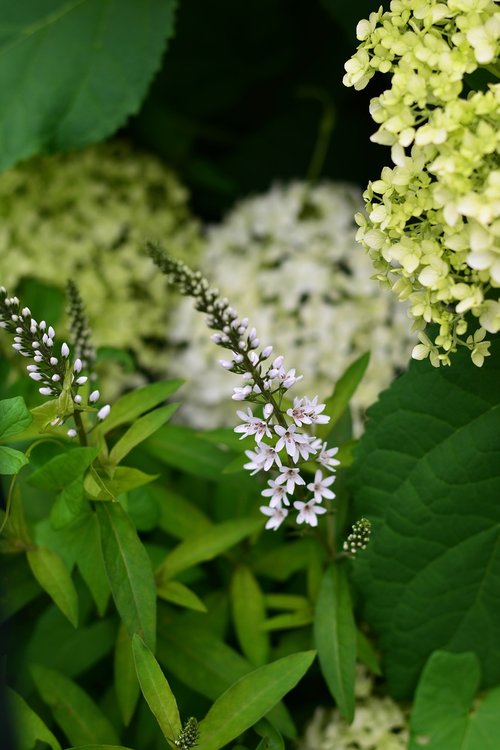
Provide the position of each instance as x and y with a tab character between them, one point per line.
282	442
59	376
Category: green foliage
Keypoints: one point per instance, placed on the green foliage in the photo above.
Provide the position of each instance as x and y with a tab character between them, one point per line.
14	418
53	576
110	52
426	475
30	726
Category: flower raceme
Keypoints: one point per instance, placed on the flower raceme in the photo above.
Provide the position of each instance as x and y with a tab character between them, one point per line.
282	441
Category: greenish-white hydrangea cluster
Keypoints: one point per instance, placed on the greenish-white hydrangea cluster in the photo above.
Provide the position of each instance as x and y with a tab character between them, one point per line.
290	260
379	724
432	223
85	216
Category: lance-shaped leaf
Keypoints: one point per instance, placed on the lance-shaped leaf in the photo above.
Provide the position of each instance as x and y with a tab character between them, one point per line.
139	431
11	460
251	698
76	713
64	469
177	593
335	638
129	572
156	690
126	684
130	406
14	417
28	725
184	449
249	614
53	576
344	390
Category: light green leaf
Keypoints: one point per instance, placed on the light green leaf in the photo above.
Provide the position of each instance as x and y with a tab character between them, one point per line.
29	726
281	562
177	593
111	51
130	406
53	576
76	713
344	390
446	713
90	561
129	571
99	747
140	430
11	460
125	478
251	698
298	619
249	613
62	470
367	654
69	505
335	638
287	601
14	416
185	449
206	545
156	690
126	684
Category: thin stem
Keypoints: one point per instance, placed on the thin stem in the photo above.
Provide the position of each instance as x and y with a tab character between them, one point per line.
80	429
324	132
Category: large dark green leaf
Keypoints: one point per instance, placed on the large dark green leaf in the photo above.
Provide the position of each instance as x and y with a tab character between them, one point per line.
129	572
74	70
427	475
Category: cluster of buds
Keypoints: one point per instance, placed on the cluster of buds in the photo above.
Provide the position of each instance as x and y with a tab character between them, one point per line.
51	366
359	537
281	434
189	735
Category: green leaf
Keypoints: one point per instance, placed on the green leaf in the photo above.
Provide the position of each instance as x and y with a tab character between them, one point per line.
426	476
129	572
11	460
90	561
446	713
156	690
344	390
271	738
296	619
184	449
62	470
130	406
335	638
178	517
139	431
18	586
177	593
100	747
53	576
126	684
14	416
251	698
206	546
367	654
69	505
29	726
76	713
111	51
281	562
124	479
249	613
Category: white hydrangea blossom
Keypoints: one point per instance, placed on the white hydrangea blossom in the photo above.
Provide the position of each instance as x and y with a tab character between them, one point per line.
290	259
432	223
85	215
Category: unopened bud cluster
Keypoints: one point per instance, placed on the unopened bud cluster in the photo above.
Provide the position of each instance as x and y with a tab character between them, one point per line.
282	440
359	537
51	366
79	326
189	735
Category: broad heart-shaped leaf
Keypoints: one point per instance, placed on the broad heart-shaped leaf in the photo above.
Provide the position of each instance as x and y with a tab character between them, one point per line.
446	713
137	402
140	430
53	576
129	572
29	726
11	460
14	416
76	713
427	476
62	470
251	698
335	638
110	48
156	690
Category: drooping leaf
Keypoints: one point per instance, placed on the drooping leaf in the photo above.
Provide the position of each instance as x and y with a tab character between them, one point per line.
249	614
446	713
64	469
11	460
129	572
206	545
366	654
29	726
124	479
53	576
14	416
251	698
426	476
140	430
139	401
111	50
177	593
76	713
126	684
156	690
335	638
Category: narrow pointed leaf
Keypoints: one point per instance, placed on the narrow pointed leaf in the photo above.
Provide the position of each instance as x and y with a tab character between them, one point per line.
335	638
251	698
28	725
249	614
177	593
140	430
129	572
156	690
53	576
343	392
126	684
130	406
62	470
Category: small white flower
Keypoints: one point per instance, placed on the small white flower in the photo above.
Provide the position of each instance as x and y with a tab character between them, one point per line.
77	399
64	350
320	487
308	512
277	493
290	440
45	391
103	412
36	376
241	392
81	380
263	457
276	516
291	478
71	433
326	457
252	426
77	366
268	410
94	396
